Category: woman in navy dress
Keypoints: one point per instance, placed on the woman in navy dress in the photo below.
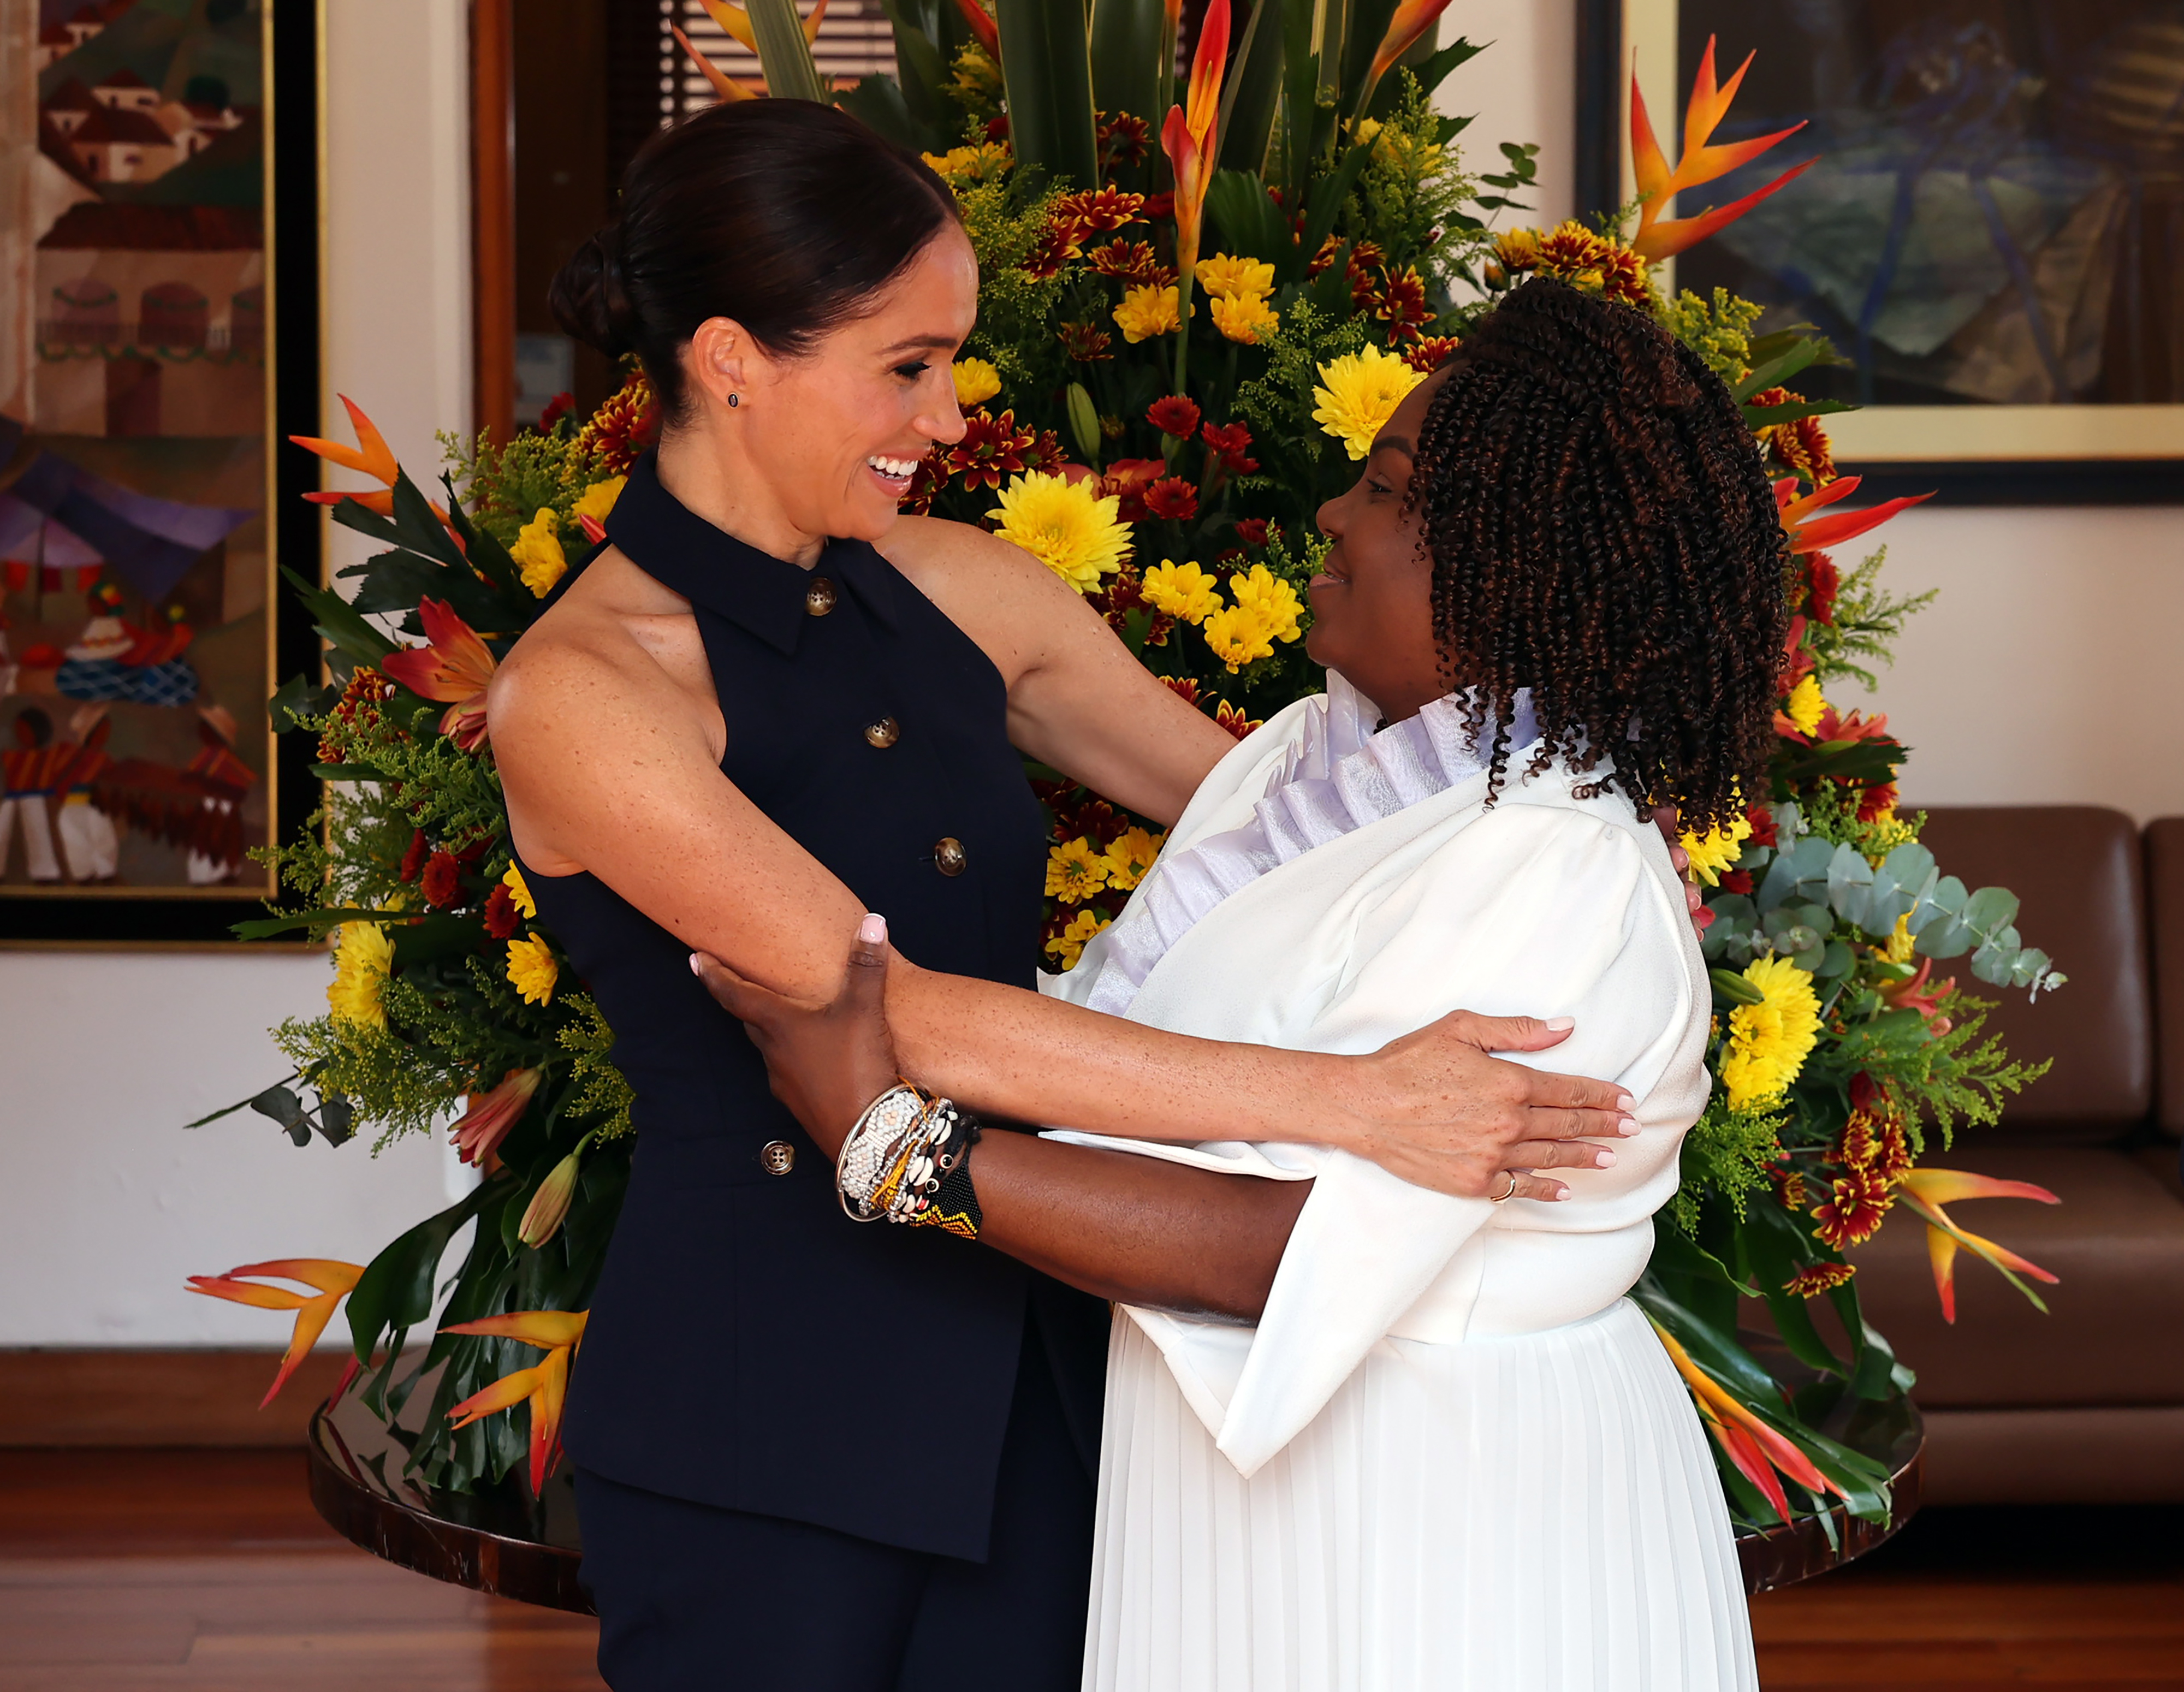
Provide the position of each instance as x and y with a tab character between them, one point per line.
809	1454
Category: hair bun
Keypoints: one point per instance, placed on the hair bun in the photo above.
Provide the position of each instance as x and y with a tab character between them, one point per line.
589	299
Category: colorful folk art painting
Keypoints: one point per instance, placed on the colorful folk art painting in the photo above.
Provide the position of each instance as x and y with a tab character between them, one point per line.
135	559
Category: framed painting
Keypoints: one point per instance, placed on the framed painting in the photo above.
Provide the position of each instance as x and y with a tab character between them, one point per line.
159	336
1992	232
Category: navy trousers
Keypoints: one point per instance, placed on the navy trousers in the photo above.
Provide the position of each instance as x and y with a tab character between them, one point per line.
695	1598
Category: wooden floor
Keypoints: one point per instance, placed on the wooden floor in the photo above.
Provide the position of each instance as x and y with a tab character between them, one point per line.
129	1571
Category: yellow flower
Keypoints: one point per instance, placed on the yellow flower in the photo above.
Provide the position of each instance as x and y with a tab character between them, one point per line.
961	164
532	970
1147	311
1712	852
1275	603
1365	130
1225	277
599	499
1184	591
1361	392
538	550
1246	318
519	894
1130	857
1896	948
1069	944
1239	635
1072	531
1805	706
1075	871
976	381
363	958
1770	1042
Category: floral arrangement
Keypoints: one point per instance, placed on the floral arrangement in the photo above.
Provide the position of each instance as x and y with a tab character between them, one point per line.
1186	341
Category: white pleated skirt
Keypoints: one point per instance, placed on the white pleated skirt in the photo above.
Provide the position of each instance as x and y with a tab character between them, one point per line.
1537	1513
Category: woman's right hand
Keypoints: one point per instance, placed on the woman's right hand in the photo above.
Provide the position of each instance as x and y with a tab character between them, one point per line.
1436	1108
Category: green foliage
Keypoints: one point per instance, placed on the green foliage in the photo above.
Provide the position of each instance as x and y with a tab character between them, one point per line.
1726	1154
1409	201
1006	220
1867	624
1719	330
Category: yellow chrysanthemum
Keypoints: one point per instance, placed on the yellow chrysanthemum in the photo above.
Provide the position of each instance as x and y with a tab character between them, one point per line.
1259	590
1147	311
532	970
1897	948
1069	944
1804	706
1076	533
1248	319
1225	277
1130	857
1360	393
1240	635
538	552
1769	1042
976	381
519	894
599	499
363	958
1075	871
961	164
1712	852
1184	591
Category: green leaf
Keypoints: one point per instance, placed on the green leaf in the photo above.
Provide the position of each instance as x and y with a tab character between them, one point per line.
791	73
1734	987
395	1292
1765	416
1046	70
877	103
1327	196
338	623
298	697
441	935
1253	90
1248	223
1778	370
1362	32
1126	38
1084	422
1434	69
921	62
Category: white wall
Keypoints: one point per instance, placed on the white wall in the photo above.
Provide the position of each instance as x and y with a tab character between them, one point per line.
105	1205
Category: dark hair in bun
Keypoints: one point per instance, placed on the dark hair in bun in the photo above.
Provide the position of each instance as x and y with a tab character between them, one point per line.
787	215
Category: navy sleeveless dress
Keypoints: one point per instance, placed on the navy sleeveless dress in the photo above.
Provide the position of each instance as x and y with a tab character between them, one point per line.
777	1409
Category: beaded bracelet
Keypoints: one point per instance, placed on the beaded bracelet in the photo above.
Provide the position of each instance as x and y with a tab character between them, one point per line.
906	1161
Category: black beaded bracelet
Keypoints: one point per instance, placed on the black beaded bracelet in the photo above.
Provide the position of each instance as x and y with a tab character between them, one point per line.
954	1204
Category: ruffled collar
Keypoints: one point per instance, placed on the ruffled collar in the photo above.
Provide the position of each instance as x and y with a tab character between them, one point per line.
1339	775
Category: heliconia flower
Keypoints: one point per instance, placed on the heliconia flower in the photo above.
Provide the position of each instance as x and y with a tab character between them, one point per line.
371	456
1761	1450
492	1115
725	86
1174	415
1660	237
1187	137
982	26
455	670
737	21
1924	1191
1809	535
332	1280
1411	19
558	1334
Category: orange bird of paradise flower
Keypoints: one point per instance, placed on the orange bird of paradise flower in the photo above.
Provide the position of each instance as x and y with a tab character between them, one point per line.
455	668
984	27
1808	534
1924	1191
1757	1449
332	1281
545	1385
1411	19
1660	237
1187	137
371	456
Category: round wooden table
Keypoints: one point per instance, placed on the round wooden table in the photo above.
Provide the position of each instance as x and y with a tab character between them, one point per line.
504	1541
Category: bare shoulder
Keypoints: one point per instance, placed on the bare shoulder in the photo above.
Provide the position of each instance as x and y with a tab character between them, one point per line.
938	554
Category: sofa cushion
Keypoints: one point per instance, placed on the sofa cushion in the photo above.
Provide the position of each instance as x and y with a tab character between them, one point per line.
2117	1242
2078	872
2164	897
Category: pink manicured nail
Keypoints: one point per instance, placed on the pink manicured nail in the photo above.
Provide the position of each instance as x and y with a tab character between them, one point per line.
697	965
1558	1025
1603	1159
1623	1101
1562	1194
1627	1126
872	931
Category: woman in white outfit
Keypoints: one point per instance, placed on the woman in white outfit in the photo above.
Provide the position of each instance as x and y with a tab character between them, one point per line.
1361	1435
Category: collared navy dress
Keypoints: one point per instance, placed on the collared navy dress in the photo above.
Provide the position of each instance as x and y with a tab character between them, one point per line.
811	1453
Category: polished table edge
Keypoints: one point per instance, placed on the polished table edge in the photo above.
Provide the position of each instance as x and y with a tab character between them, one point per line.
533	1572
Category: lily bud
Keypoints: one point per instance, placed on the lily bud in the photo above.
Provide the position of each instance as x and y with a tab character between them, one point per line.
549	1204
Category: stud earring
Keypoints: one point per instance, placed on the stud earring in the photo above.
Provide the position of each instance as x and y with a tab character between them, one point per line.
734	400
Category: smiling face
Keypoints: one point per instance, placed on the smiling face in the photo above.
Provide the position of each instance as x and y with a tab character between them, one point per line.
1371	603
824	444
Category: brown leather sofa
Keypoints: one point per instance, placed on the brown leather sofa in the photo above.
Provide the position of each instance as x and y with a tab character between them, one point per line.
2084	1405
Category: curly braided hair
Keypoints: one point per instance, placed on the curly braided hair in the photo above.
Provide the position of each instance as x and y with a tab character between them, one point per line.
1602	532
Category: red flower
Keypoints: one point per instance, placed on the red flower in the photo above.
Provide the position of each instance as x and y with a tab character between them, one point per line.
1429	352
1877	802
1097	210
1093	819
413	859
623	428
443	880
1764	831
1822	580
1131	261
1400	303
1325	256
1159	206
1175	416
1226	715
1853	1211
1084	343
1788	1184
1121	139
991	447
1736	881
1865	1091
1171	499
1815	1278
1128	479
1183	689
1230	440
1252	531
501	919
926	482
557	407
1056	248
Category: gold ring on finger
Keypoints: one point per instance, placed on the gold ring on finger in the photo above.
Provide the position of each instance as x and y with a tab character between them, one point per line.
1504	1198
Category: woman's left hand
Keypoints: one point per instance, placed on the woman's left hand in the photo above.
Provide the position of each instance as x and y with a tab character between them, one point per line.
828	1059
1665	819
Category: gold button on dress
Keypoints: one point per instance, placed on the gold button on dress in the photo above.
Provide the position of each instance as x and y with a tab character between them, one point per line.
777	1157
883	734
819	597
949	856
